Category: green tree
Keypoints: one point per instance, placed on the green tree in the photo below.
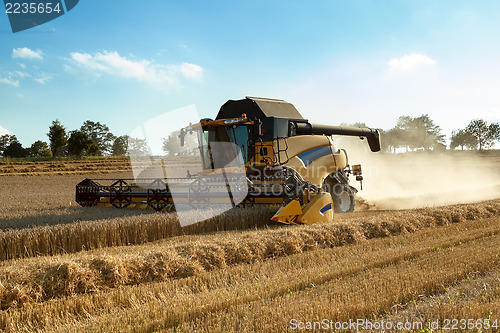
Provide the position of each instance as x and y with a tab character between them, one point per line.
119	147
57	138
419	132
430	136
404	127
5	141
100	134
93	149
495	131
39	149
484	134
392	139
15	149
462	139
79	144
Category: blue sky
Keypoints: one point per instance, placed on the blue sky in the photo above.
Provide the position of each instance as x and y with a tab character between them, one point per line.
123	63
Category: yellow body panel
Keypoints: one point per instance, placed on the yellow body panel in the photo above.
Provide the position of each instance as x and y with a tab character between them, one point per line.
319	209
299	144
320	168
288	214
316	171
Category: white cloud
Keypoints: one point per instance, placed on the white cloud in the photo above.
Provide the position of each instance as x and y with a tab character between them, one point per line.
9	81
43	78
191	71
410	61
68	68
20	74
26	53
113	63
16	77
4	131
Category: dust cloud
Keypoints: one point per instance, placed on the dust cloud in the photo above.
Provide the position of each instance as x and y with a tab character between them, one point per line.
422	178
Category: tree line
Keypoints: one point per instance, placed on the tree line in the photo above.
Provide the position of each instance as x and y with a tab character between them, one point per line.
95	139
91	139
421	133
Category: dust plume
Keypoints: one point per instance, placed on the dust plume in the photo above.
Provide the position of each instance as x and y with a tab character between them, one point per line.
423	178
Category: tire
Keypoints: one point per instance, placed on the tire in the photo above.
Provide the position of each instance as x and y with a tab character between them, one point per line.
343	198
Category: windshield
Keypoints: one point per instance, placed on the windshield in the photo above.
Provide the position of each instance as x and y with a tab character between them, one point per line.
224	146
240	135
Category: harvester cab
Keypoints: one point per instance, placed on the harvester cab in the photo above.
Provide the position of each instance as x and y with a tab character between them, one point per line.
271	155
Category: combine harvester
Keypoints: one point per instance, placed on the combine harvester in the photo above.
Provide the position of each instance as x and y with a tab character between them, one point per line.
256	152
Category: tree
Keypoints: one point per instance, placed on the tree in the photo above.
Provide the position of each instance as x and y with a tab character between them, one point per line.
5	141
420	132
100	134
93	149
80	144
39	149
392	139
462	138
120	146
57	138
429	133
137	147
172	144
403	127
495	131
484	134
356	124
15	149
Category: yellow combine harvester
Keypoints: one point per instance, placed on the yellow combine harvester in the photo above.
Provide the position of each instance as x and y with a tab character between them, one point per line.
256	152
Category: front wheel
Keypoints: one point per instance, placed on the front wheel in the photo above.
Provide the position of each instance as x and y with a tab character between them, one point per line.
343	198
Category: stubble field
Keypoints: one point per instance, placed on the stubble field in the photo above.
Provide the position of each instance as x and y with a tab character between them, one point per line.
65	268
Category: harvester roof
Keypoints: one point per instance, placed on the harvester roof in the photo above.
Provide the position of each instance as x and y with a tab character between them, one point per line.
255	107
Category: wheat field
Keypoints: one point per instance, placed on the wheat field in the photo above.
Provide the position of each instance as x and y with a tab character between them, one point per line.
64	268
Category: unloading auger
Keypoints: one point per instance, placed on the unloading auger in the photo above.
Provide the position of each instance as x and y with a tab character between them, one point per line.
257	151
